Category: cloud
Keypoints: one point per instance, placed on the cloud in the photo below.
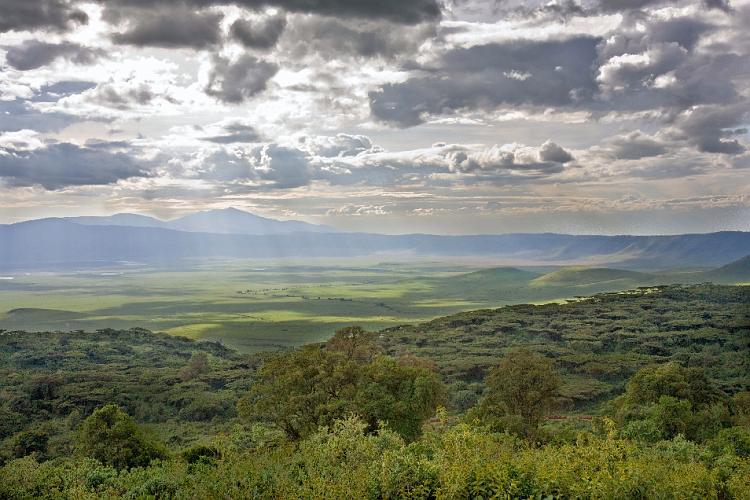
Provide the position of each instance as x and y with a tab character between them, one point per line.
233	132
55	15
337	38
59	165
629	5
557	73
286	167
412	12
18	115
709	128
258	34
340	145
32	54
352	210
634	146
173	28
265	166
549	151
234	82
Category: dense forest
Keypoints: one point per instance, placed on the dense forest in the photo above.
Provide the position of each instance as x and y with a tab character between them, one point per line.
642	394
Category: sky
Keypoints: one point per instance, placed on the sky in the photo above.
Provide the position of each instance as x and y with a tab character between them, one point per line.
440	116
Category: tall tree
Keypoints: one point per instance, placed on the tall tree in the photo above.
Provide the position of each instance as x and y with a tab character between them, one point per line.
519	391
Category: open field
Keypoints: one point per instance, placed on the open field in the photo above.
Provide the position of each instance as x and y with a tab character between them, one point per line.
252	305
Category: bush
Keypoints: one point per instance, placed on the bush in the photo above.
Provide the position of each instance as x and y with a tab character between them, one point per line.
734	440
29	442
111	436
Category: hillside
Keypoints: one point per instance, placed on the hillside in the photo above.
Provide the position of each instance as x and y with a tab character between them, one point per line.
62	243
734	272
590	276
46	378
494	275
214	420
598	342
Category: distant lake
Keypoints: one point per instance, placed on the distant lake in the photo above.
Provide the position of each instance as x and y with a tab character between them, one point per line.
7	278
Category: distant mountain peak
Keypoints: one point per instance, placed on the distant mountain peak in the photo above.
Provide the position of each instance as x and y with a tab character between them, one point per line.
233	220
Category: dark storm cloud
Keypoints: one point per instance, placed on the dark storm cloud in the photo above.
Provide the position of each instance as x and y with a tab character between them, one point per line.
174	28
32	54
552	73
56	15
258	34
62	165
411	12
237	81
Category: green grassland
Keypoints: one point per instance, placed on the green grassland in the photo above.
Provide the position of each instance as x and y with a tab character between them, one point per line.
255	305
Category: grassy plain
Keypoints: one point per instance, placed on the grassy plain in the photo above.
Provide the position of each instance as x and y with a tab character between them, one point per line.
254	305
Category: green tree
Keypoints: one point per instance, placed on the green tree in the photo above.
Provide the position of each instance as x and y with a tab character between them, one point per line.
354	343
671	379
675	400
519	392
301	391
315	385
399	393
111	436
28	442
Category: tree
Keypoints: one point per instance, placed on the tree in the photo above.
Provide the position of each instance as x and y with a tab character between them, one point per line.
315	385
28	442
519	391
671	379
111	436
402	395
673	399
198	364
354	342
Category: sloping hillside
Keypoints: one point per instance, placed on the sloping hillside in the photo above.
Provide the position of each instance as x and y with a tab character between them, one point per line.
588	276
735	272
598	342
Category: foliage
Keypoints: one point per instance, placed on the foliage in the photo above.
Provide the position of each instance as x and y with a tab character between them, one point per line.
522	388
596	343
345	460
361	421
315	385
51	381
112	437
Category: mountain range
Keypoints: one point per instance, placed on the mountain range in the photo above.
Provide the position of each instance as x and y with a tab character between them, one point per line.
223	221
93	241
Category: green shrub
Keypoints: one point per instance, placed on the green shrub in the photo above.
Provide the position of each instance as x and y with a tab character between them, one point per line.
111	436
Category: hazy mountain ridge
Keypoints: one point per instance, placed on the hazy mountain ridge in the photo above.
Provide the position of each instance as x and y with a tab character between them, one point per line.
225	221
85	241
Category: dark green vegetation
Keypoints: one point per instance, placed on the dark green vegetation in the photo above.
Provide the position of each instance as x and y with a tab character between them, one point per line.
598	342
623	395
254	305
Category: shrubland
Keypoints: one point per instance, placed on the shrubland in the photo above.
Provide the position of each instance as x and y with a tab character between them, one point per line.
396	414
